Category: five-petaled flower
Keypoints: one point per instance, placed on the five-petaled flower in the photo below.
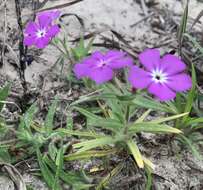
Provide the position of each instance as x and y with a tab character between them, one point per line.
40	32
163	77
100	67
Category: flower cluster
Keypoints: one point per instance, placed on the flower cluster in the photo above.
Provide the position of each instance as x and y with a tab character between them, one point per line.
40	32
162	77
100	67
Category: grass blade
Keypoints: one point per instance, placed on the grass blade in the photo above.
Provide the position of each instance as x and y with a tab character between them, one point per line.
189	143
136	153
194	42
183	26
191	95
108	178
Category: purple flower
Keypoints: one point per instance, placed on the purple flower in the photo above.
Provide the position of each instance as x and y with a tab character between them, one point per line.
100	67
41	32
163	77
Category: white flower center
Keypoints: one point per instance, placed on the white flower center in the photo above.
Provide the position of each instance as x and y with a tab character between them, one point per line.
41	33
102	63
158	76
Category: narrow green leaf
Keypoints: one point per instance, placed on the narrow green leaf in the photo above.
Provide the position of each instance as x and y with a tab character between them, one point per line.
52	150
79	133
104	182
110	124
71	178
191	95
50	116
152	104
93	97
149	178
143	116
89	45
136	153
4	92
46	173
59	164
90	144
161	120
4	154
193	121
194	42
183	25
87	113
152	128
189	143
98	121
69	122
29	115
81	50
195	128
89	154
148	163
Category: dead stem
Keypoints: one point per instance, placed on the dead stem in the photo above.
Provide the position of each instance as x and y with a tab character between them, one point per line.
22	49
5	35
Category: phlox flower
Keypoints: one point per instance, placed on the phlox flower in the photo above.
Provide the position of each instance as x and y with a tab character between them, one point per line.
40	32
162	77
100	67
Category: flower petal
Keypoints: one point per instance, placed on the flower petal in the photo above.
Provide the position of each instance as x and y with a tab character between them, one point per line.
31	28
171	64
139	78
115	54
42	42
120	63
44	21
101	75
54	14
180	82
29	40
161	91
97	55
150	59
53	31
81	70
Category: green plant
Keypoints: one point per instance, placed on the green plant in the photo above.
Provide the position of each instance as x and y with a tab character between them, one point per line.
4	154
190	124
34	137
116	119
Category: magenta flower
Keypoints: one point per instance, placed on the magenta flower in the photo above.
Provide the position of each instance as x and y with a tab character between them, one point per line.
41	32
163	77
100	67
